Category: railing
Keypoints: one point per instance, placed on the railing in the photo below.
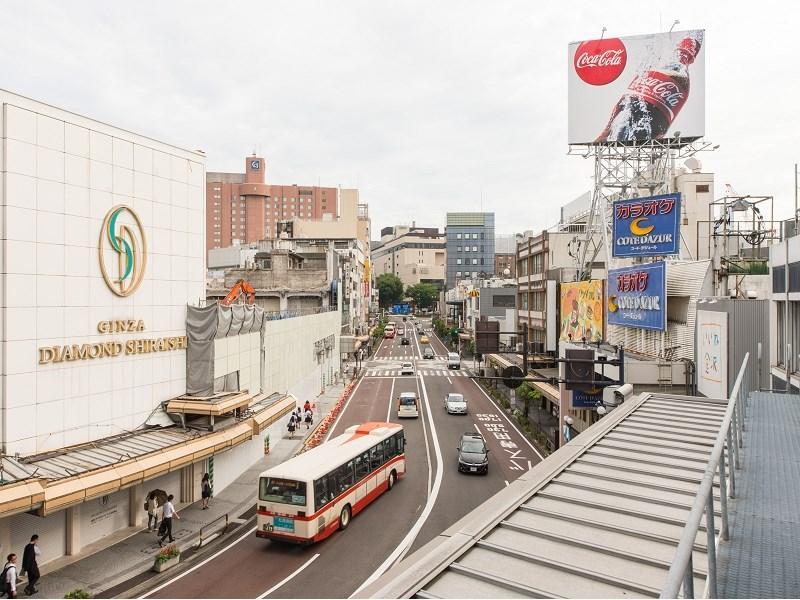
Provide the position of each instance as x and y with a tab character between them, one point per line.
276	315
681	573
209	525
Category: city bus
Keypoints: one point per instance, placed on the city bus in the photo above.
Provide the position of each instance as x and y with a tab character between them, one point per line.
307	498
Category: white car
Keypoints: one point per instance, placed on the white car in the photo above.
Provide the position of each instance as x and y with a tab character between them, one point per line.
455	404
453	360
407	368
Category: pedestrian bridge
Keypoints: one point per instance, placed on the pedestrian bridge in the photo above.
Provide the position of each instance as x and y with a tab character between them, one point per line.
635	506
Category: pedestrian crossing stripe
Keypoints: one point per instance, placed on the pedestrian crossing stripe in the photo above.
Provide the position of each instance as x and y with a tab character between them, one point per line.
403	357
423	372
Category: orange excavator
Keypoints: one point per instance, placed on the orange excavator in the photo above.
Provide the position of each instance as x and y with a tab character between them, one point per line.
240	287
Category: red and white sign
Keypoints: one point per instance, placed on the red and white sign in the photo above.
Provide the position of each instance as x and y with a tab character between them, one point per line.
639	88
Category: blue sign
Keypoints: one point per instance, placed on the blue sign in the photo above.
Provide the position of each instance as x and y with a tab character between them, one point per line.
401	309
283	523
581	399
637	296
647	226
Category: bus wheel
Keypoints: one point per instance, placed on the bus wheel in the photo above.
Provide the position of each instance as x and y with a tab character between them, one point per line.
344	518
392	479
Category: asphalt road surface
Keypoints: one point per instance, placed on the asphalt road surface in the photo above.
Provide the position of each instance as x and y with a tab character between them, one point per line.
432	496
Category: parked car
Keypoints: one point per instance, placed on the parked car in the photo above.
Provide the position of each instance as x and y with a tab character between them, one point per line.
473	455
455	404
407	368
453	360
404	341
427	352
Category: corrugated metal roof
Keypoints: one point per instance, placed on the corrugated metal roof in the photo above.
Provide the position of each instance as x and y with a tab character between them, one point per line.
600	518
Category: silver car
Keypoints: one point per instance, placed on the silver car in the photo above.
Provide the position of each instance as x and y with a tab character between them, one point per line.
455	404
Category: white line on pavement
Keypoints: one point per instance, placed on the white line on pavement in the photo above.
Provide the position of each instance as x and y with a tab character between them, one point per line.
289	578
478	429
449	381
506	483
391	397
427	446
407	541
247	534
503	413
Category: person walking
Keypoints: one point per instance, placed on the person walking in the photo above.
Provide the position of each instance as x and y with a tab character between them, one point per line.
206	485
292	425
152	512
9	580
309	418
307	406
30	564
169	514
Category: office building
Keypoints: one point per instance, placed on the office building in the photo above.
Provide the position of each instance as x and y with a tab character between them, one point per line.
470	246
414	254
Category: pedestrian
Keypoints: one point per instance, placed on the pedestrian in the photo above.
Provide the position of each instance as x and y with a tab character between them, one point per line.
30	564
152	512
8	585
166	523
292	424
309	418
206	485
307	406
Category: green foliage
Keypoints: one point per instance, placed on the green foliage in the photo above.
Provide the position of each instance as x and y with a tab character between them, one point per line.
424	294
78	593
390	289
167	553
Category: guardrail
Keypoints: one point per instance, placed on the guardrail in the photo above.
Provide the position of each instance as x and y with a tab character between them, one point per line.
681	573
204	529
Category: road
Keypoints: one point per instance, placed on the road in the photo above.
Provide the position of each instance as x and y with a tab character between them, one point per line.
431	497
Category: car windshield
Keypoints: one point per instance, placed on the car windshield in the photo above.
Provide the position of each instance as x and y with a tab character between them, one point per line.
473	446
285	491
455	398
408	400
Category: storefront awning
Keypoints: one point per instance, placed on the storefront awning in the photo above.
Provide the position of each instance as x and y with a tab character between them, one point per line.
72	475
215	406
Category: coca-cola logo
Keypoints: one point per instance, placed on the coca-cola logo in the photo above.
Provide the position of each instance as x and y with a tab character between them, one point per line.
599	62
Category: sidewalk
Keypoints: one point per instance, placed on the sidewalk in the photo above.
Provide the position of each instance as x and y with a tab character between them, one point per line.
135	548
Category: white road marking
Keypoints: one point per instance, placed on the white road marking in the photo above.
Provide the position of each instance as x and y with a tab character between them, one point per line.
391	398
449	381
478	429
427	446
289	578
247	534
502	412
403	547
346	404
506	483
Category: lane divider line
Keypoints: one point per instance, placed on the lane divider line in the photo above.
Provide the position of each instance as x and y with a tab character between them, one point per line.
247	534
391	401
408	541
427	446
289	577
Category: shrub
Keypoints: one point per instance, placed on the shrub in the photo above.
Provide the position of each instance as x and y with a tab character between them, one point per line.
167	553
79	593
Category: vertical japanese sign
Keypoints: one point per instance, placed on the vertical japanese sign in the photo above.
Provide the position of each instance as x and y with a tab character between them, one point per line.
712	353
637	296
647	226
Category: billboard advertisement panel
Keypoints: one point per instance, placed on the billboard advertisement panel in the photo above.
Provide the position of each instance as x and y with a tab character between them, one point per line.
647	226
634	89
712	353
582	310
637	296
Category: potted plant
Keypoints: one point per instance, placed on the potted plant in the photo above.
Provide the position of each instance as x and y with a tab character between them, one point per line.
78	593
167	558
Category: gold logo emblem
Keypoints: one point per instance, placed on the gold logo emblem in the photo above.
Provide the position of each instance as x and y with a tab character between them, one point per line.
122	250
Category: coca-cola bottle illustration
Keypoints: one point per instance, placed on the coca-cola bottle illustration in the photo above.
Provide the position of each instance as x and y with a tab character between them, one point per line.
654	97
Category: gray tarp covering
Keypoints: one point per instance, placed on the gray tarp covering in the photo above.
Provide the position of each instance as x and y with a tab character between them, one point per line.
203	325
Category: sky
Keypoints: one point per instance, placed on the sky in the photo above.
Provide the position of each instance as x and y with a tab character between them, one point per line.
425	107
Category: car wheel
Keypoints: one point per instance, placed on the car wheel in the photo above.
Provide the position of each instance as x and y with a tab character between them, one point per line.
344	518
392	479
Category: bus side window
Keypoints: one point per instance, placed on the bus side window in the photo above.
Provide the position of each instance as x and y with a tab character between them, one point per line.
345	476
320	493
332	484
387	452
400	437
376	456
390	449
362	466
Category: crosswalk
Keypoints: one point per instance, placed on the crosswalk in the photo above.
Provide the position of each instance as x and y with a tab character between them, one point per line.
377	372
402	357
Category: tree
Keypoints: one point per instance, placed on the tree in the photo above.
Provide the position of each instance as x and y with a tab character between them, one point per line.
424	294
390	289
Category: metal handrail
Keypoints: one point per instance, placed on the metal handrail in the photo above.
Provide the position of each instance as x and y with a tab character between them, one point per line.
210	523
681	571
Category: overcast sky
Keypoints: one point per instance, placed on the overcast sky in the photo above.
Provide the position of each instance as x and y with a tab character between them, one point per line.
424	106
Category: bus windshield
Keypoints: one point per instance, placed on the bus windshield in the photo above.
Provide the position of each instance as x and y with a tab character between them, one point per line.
285	491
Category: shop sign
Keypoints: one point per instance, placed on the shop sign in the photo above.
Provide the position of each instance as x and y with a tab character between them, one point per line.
647	226
637	296
122	250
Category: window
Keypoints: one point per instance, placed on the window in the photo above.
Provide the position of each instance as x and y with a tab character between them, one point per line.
458	236
466	248
474	261
376	456
285	491
523	301
701	189
458	273
474	236
458	261
459	249
538	301
362	466
504	301
481	248
481	235
474	248
390	447
537	263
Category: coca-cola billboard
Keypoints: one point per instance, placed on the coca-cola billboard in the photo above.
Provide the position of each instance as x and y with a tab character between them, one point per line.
639	88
